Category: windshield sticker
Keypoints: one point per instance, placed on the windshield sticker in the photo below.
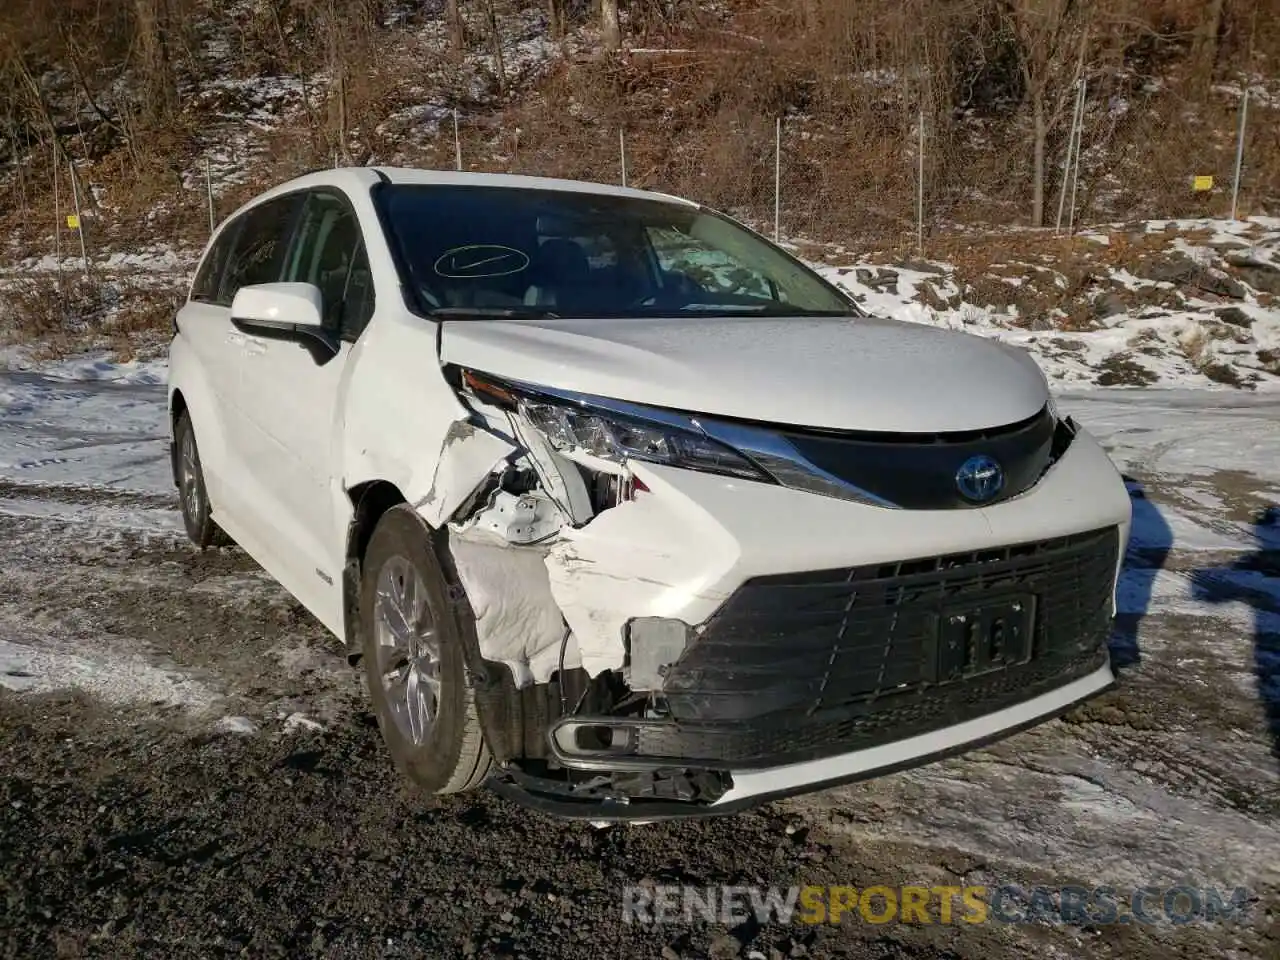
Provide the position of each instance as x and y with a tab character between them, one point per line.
480	260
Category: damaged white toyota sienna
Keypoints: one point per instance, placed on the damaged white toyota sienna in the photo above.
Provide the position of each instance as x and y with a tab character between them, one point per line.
625	511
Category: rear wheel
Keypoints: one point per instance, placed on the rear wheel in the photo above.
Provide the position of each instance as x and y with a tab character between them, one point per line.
197	515
413	660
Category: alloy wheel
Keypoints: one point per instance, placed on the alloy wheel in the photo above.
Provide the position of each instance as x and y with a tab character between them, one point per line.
189	477
408	649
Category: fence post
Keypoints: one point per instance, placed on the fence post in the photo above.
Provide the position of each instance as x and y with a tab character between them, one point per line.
457	142
622	151
920	190
1244	119
777	180
1076	119
1075	176
208	190
75	196
57	221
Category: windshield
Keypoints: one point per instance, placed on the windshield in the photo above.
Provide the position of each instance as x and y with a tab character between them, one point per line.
505	251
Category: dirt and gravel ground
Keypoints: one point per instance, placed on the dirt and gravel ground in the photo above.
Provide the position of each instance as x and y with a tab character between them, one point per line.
190	768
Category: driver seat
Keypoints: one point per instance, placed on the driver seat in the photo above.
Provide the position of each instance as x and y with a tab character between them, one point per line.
560	275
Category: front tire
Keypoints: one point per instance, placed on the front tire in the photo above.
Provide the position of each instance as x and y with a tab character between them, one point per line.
413	660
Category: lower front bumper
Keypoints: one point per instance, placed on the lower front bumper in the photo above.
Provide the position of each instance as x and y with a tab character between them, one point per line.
795	668
799	682
751	788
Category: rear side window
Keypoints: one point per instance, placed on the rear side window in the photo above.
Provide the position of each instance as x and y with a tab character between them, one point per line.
205	288
261	237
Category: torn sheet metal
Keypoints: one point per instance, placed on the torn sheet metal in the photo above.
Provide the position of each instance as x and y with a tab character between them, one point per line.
517	620
638	559
468	456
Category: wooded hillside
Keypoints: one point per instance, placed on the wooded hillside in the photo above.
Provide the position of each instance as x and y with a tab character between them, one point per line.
143	94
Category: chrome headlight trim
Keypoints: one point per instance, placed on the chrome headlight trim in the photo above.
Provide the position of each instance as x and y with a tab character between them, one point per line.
767	449
786	464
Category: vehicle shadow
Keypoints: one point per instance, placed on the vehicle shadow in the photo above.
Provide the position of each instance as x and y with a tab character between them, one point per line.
1150	542
1254	579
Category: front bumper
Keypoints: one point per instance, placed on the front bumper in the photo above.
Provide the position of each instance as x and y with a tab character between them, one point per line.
795	668
752	788
796	679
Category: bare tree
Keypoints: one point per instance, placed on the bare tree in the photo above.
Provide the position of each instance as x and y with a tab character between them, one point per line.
344	30
557	18
334	29
457	33
40	104
1051	36
610	26
495	46
159	81
1206	45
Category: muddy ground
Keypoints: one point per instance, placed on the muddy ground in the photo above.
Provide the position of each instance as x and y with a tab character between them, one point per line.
190	770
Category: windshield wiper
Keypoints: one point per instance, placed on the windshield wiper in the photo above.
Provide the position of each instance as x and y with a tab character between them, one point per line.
764	309
497	313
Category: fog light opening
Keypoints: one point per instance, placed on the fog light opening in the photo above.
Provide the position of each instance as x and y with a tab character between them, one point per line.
594	737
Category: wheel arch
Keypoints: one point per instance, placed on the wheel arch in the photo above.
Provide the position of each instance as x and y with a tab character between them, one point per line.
494	692
369	501
190	392
177	407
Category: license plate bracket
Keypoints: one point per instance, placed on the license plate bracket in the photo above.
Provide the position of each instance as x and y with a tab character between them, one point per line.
978	638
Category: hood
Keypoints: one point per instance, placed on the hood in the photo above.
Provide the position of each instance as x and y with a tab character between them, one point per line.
852	373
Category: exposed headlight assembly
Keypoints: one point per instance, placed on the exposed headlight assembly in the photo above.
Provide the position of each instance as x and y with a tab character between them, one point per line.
619	432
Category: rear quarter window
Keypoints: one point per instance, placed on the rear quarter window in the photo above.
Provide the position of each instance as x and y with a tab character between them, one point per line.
209	277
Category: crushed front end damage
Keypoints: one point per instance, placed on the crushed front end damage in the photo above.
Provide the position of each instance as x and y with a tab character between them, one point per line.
659	642
570	572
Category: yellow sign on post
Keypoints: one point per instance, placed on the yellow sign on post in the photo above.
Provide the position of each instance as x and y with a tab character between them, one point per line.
73	221
1202	184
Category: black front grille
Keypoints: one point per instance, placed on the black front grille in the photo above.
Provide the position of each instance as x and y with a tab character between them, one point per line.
804	665
918	472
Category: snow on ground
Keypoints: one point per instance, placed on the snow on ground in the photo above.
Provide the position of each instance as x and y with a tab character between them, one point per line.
100	366
99	515
97	432
113	676
160	258
1188	433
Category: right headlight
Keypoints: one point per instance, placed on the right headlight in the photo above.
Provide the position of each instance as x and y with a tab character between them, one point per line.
619	433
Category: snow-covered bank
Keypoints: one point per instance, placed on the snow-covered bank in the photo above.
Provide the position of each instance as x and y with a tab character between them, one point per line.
1161	303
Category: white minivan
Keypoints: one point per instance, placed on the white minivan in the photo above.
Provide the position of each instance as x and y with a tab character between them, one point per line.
625	511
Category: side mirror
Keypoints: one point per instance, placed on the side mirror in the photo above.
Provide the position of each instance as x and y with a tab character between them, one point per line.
288	311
